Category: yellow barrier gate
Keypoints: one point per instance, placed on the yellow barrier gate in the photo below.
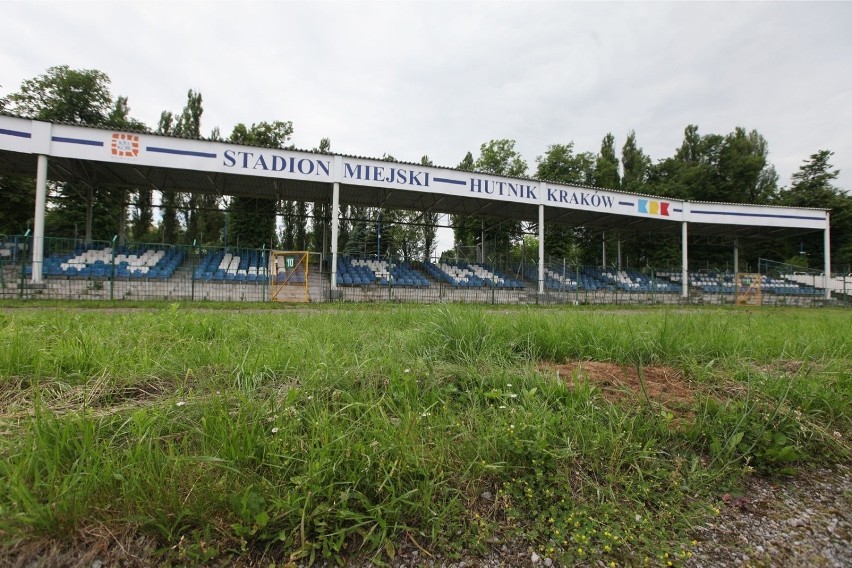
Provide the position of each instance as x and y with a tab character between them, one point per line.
748	288
288	280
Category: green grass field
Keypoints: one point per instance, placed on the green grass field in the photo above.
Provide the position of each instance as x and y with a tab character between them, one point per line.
352	431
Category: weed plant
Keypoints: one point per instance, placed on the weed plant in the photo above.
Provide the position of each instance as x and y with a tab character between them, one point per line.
340	433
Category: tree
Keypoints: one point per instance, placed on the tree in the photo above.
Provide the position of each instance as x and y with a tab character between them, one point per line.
119	117
465	228
252	220
744	174
81	97
16	214
560	164
635	165
188	125
63	94
606	166
170	225
430	223
499	158
813	186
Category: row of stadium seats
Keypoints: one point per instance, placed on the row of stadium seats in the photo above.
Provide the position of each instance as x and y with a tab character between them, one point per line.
9	250
121	263
634	281
360	272
461	274
238	266
724	283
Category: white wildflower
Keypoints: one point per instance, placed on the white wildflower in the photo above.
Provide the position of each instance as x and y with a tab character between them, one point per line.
180	403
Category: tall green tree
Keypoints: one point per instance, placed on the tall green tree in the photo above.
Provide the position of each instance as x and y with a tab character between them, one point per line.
252	220
813	185
635	165
430	222
606	165
464	227
499	158
169	199
745	176
18	197
62	94
188	125
560	164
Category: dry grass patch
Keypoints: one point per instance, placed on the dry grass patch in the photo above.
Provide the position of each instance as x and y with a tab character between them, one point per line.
19	397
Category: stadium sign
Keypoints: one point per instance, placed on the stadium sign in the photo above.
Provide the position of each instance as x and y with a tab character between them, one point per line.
270	162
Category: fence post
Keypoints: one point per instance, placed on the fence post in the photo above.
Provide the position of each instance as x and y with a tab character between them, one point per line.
192	252
112	270
268	277
23	255
653	286
721	287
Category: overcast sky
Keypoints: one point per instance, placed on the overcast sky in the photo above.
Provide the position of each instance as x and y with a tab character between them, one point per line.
441	78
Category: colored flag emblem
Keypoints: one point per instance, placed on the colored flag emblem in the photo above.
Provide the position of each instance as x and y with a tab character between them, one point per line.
652	207
125	145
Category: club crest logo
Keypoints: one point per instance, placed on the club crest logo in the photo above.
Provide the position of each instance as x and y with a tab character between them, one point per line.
125	145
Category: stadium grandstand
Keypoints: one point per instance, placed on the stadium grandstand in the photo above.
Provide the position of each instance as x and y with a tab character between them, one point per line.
38	265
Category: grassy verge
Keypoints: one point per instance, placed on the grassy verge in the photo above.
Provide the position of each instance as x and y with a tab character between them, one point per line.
308	434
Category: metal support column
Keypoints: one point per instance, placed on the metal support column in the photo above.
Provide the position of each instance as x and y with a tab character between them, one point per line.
736	256
618	242
603	249
335	207
827	248
684	271
38	232
481	255
541	249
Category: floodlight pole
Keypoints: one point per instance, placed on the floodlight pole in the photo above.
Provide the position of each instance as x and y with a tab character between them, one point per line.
827	250
38	229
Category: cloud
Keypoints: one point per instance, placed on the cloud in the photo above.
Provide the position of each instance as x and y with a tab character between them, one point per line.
441	78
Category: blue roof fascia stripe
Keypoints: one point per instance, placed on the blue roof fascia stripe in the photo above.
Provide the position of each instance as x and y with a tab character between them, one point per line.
17	133
77	141
180	152
768	215
452	181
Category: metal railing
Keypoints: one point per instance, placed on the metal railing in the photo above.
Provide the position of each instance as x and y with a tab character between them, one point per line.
106	270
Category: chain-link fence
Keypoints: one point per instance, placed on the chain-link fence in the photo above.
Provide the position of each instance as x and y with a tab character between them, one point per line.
102	270
789	284
107	270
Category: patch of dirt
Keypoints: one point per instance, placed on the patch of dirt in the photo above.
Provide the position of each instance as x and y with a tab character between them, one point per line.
622	384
